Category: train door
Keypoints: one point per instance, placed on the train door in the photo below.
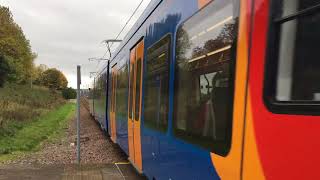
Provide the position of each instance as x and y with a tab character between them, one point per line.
134	105
113	104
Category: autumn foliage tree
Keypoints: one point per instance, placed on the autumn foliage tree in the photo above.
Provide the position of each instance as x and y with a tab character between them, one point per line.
15	49
4	71
37	73
53	79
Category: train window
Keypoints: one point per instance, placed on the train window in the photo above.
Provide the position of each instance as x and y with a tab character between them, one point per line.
138	86
204	76
293	68
121	93
290	7
113	96
131	85
113	84
156	96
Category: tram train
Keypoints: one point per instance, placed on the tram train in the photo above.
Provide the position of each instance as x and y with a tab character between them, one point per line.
221	89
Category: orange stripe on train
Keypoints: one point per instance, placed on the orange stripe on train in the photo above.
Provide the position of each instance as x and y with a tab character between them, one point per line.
202	3
229	167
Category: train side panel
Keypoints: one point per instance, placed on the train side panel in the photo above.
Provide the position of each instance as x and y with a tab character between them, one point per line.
91	99
283	113
161	150
206	108
100	100
121	102
165	155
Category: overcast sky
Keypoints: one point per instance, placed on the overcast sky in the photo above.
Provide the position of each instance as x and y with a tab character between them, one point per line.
65	33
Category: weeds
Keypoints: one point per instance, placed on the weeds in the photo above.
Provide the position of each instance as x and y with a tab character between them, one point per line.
29	135
20	104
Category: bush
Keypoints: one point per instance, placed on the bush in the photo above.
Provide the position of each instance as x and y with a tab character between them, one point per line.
27	136
53	79
69	93
20	104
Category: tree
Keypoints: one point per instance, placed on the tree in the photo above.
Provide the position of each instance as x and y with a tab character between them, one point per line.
15	49
4	71
53	79
69	93
37	73
63	81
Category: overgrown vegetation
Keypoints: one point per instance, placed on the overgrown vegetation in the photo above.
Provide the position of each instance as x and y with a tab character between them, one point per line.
20	104
31	134
31	104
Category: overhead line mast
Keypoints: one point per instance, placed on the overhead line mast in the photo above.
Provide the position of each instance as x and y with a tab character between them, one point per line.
127	22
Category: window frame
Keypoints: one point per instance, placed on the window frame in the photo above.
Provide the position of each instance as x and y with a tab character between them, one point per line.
122	69
232	78
137	101
169	51
131	75
272	63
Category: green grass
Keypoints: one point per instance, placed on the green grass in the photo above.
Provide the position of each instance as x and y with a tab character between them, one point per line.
31	134
37	97
19	104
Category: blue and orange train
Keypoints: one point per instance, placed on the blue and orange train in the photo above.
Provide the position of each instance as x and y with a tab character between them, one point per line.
221	89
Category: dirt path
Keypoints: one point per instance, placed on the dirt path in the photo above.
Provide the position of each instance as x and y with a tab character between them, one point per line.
95	147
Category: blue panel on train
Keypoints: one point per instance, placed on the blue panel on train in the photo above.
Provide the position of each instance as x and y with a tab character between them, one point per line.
164	156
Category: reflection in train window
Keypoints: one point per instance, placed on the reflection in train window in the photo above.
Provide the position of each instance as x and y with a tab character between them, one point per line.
157	85
138	92
130	94
285	8
121	93
205	62
206	84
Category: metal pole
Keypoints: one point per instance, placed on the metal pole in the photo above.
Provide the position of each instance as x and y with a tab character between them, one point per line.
78	112
31	79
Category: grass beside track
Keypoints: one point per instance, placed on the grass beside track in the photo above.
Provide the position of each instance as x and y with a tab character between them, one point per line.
20	105
32	134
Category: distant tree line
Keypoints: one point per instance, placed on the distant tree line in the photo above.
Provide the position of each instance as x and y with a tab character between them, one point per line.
69	93
17	59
